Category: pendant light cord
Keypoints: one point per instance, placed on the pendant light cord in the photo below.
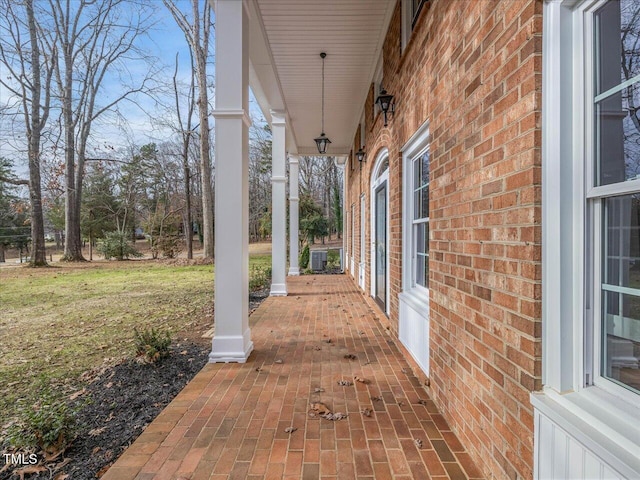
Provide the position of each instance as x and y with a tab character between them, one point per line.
323	55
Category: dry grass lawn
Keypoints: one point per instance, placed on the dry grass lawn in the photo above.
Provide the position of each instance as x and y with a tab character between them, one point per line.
57	323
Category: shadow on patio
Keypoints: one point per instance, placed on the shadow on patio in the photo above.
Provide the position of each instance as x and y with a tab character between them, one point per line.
230	420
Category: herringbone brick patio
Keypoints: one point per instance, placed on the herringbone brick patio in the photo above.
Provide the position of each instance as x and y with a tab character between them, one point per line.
229	422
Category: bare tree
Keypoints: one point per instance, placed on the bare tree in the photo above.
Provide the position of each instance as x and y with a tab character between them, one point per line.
29	79
197	32
95	39
186	131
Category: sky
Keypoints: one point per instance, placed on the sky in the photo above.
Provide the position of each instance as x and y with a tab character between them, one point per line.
138	122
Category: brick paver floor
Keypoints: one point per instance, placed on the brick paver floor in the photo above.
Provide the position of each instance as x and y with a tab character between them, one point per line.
230	421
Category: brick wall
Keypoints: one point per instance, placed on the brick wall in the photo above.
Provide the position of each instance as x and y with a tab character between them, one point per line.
473	70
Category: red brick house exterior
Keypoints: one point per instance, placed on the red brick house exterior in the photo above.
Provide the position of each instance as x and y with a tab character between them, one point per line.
473	71
496	217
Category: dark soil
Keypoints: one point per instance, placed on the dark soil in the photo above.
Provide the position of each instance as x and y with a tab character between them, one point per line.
118	404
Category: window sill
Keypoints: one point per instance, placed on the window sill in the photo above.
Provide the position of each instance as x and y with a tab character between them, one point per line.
602	422
417	298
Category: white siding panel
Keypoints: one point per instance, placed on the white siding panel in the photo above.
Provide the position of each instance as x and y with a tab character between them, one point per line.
560	456
414	332
576	461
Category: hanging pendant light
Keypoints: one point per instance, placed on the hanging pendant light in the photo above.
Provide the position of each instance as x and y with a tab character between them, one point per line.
322	141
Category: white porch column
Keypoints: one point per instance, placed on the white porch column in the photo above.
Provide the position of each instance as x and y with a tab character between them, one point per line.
232	338
293	215
279	206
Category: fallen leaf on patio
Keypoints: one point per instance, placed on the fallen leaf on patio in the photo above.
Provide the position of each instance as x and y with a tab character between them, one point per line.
334	416
361	380
317	348
318	390
418	442
278	361
102	471
350	356
320	407
422	402
367	412
290	429
258	369
29	470
361	333
404	370
401	403
345	383
427	382
367	363
376	399
328	340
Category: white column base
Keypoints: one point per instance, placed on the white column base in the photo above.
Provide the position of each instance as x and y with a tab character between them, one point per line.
278	290
234	349
294	271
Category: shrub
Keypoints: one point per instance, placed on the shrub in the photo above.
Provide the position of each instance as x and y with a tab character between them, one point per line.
170	245
49	424
151	344
333	259
259	277
116	245
304	257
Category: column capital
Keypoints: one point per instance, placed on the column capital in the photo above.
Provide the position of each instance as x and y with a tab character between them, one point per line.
232	114
294	158
279	117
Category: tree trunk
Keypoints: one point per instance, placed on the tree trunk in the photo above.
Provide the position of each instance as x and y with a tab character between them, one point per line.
39	256
72	245
188	231
207	194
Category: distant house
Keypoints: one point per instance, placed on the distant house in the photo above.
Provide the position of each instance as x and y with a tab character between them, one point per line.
492	213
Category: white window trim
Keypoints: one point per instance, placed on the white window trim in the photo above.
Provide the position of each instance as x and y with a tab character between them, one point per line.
605	422
406	27
361	261
378	177
416	145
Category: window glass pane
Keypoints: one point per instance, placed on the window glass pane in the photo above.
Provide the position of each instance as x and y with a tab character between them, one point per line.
421	185
620	341
617	58
416	5
421	237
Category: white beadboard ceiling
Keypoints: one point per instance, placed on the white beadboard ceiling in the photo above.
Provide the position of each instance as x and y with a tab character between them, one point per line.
287	37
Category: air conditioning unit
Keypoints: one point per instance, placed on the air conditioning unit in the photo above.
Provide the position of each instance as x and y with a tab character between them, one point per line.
318	260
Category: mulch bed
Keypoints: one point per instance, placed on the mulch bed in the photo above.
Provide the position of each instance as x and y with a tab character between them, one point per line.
117	405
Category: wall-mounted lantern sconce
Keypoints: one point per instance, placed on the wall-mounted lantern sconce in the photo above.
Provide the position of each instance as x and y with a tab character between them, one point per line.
361	156
387	105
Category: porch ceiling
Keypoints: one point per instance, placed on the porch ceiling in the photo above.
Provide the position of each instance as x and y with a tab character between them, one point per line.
287	37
